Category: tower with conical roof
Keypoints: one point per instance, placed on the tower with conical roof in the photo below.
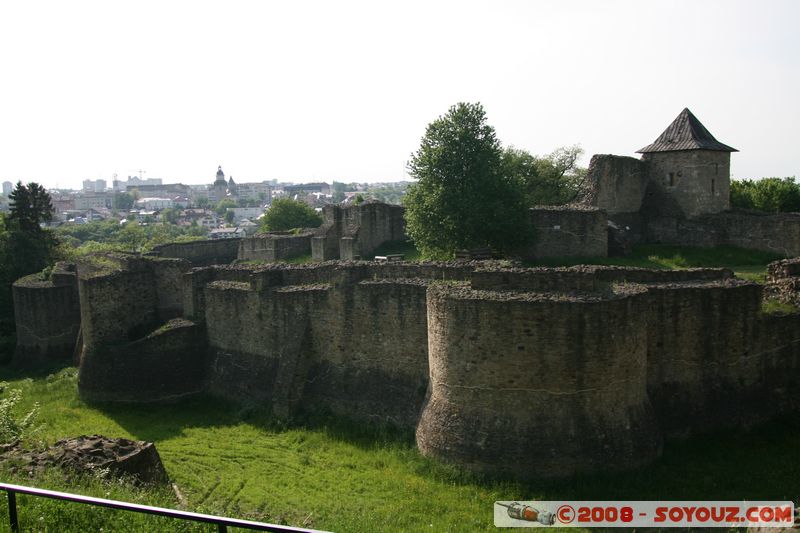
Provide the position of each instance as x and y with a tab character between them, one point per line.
689	170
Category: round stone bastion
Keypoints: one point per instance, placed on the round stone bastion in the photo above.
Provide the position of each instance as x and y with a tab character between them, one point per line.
538	384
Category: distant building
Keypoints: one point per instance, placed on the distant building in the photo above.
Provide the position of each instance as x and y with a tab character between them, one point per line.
323	188
243	213
227	233
7	188
170	190
134	181
94	185
249	227
261	191
219	189
93	200
154	204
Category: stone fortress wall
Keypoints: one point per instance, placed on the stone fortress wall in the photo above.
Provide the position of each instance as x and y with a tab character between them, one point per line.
275	246
637	196
47	314
205	252
585	368
355	231
568	231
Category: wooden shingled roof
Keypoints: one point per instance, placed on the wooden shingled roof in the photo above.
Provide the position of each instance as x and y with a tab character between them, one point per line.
686	133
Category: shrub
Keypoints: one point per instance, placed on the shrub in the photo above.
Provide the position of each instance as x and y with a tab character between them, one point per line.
14	426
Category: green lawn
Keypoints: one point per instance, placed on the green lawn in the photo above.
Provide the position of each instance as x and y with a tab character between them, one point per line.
335	475
746	264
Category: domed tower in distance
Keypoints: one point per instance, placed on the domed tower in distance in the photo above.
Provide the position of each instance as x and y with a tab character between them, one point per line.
220	187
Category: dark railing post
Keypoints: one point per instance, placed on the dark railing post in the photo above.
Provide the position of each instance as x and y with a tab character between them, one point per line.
13	521
222	528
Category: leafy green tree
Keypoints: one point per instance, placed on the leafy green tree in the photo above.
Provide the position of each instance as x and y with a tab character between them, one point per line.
223	205
203	202
462	197
229	216
775	195
169	215
132	236
554	179
30	206
123	201
248	202
285	214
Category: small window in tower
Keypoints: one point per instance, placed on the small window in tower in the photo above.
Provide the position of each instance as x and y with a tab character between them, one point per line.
712	186
671	179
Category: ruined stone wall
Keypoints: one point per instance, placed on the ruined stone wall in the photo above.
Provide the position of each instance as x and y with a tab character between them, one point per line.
201	253
548	385
702	367
123	312
274	246
615	183
584	277
375	224
582	368
325	243
356	346
691	182
778	233
355	231
371	352
47	316
568	231
167	364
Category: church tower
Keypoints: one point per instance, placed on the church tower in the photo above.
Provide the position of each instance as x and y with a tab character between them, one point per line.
219	189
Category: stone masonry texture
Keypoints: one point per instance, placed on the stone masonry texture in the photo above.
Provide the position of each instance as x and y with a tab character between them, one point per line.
584	368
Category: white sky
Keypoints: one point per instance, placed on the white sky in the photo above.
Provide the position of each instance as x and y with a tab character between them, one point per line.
302	91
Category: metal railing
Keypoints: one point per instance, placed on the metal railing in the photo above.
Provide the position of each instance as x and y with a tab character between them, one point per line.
221	522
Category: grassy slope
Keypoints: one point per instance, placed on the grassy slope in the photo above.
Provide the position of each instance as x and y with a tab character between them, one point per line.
747	264
346	477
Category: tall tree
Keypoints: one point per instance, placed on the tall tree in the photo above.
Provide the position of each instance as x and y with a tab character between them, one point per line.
30	206
462	198
554	179
285	213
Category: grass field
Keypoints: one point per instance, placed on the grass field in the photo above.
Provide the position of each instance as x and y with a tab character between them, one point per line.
746	264
336	475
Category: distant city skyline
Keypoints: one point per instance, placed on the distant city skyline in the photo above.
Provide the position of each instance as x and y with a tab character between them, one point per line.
318	91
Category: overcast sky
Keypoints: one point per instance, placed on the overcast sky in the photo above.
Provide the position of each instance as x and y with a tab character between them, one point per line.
343	90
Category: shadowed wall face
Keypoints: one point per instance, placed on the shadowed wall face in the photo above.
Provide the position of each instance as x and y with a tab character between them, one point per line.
274	246
201	253
356	230
697	181
616	184
47	316
538	386
568	232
